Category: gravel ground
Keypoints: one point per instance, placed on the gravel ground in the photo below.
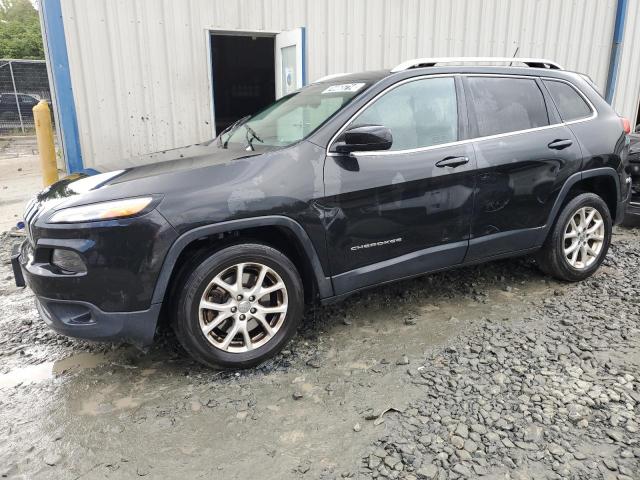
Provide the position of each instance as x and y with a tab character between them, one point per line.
554	396
492	371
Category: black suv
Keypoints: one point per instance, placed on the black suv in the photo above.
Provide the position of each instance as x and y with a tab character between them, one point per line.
632	217
351	182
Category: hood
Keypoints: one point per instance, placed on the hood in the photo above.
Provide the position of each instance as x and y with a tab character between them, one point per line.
67	191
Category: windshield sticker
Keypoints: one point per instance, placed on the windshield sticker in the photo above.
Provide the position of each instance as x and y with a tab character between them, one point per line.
344	88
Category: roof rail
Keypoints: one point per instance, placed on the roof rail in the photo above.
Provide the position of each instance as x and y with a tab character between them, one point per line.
431	62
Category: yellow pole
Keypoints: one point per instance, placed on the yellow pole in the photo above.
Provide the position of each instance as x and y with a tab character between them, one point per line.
46	149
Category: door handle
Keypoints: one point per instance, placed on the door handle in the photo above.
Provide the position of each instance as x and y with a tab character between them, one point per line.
560	144
452	162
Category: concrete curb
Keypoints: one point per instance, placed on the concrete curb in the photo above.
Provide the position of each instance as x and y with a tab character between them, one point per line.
17	137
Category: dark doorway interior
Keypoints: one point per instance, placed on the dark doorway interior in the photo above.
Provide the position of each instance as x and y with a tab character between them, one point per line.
243	76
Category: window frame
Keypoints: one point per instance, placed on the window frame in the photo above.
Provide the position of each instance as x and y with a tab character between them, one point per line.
463	127
552	114
544	82
466	116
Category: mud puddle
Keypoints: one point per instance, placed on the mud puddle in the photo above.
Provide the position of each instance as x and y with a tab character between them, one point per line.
48	370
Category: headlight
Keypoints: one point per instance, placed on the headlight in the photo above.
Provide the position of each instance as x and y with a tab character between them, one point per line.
101	211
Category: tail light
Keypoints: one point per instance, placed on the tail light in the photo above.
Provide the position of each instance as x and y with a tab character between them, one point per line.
626	125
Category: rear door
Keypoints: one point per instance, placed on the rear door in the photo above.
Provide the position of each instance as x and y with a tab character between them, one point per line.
524	154
406	210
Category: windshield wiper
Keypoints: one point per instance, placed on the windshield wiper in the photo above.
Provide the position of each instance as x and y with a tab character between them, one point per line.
254	135
230	129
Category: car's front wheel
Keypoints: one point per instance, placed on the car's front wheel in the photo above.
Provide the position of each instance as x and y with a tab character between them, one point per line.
579	240
239	306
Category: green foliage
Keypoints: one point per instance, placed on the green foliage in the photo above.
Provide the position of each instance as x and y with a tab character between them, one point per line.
20	35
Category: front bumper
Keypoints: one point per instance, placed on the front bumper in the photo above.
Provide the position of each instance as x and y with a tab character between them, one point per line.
83	320
15	264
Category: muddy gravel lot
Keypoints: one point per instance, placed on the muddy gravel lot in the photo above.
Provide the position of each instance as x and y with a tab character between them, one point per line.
494	371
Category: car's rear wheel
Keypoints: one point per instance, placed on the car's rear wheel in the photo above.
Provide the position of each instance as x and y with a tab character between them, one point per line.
579	240
239	306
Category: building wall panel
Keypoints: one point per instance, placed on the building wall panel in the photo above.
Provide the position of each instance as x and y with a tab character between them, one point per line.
140	68
627	95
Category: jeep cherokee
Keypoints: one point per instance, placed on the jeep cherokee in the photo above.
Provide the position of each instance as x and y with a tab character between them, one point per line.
351	182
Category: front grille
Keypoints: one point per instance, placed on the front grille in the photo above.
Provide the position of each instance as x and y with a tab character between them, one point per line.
30	215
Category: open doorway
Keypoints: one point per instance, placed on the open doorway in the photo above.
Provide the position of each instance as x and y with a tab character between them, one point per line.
243	75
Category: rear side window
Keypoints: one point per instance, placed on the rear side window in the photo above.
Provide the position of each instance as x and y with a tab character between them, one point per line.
569	102
505	105
421	113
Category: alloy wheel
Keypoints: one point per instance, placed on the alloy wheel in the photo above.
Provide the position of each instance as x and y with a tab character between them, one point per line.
243	307
583	238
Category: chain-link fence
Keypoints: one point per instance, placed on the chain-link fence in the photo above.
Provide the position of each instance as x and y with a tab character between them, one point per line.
23	83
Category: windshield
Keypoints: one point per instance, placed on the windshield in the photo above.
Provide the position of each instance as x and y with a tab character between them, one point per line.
293	117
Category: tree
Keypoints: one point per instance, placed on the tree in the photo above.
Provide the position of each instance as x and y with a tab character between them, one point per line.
20	35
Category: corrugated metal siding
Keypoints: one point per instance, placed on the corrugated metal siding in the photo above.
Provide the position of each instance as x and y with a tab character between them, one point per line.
627	95
140	68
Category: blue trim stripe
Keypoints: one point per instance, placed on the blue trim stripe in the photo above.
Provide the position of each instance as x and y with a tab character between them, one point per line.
304	55
616	50
59	64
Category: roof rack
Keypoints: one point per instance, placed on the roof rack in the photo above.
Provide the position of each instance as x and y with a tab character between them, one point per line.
431	62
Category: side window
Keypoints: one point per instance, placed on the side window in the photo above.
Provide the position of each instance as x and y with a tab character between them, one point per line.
419	114
505	105
569	102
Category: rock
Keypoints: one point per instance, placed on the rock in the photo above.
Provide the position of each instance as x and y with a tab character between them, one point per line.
404	360
427	472
577	412
462	430
556	450
357	427
478	428
297	395
52	459
314	362
374	462
457	442
463	470
610	464
615	435
533	433
470	446
499	378
391	461
143	470
508	443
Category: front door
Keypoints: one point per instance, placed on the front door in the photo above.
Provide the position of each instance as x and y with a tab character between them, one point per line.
290	61
524	154
407	210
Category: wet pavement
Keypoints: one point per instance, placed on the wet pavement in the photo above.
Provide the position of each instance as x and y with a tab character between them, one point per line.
74	409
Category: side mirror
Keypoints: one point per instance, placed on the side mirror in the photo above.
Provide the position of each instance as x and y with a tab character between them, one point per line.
365	138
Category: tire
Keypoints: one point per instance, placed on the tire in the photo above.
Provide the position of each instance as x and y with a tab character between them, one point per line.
552	259
226	311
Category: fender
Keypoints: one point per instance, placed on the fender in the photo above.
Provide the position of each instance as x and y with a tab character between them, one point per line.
325	287
571	181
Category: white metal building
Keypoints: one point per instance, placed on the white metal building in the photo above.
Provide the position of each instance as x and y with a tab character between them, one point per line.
137	76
